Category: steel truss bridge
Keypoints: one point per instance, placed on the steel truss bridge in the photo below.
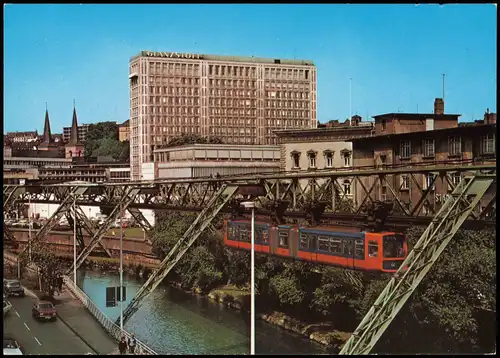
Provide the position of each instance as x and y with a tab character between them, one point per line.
314	195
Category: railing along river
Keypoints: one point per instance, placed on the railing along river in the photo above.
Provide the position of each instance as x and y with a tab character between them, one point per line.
92	308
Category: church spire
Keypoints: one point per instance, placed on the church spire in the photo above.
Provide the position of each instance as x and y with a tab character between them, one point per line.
73	139
47	137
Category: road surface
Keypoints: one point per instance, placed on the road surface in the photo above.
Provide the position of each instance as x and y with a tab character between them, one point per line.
35	337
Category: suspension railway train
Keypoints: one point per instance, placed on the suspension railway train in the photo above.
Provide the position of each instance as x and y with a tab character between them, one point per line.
343	247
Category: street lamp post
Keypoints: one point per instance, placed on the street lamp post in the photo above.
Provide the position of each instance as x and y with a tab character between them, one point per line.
251	205
74	239
29	229
121	269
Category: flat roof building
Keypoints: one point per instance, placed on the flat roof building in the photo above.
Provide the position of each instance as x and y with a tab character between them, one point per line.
205	160
242	100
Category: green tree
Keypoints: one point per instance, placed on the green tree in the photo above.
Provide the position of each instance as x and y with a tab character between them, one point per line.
97	134
287	288
51	267
441	316
185	139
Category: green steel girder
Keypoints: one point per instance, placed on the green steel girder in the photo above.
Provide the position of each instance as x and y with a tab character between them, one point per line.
82	222
429	247
123	203
10	194
217	202
63	209
298	189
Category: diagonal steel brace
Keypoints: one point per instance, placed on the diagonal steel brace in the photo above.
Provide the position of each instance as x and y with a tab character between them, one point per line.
121	205
218	201
63	209
427	250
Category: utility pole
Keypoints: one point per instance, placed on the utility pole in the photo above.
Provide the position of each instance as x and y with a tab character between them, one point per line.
350	101
121	268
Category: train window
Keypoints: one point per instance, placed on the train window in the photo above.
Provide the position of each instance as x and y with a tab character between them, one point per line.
323	243
258	235
283	239
313	242
347	246
359	249
244	235
230	232
303	241
372	248
264	236
236	233
336	245
394	246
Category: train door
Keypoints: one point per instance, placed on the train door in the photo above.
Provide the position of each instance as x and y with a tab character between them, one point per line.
348	245
373	250
313	247
293	242
273	240
283	241
359	253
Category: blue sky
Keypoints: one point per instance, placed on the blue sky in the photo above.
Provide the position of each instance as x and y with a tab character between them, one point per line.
395	54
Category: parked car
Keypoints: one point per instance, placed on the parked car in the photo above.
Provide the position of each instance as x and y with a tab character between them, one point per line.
11	347
44	310
13	288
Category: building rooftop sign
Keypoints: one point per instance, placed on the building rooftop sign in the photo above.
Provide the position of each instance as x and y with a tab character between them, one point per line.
172	55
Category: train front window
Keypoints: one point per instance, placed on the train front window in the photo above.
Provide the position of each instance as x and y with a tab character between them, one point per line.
394	246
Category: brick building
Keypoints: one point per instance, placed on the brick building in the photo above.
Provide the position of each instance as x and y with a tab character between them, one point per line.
406	140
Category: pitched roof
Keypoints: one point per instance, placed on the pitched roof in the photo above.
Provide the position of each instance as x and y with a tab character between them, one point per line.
47	137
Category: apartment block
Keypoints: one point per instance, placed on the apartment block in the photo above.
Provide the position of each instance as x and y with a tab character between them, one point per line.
242	100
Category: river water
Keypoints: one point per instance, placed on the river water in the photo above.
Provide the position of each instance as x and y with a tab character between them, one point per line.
174	322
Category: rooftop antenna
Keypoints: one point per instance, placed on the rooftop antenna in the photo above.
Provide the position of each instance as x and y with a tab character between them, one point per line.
46	106
74	106
417	107
350	100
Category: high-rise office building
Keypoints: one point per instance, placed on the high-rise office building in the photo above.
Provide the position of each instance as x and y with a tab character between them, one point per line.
242	100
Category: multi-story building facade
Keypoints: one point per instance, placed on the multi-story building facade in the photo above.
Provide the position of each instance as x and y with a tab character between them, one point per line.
124	131
452	143
82	133
242	100
326	148
204	160
22	137
320	148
